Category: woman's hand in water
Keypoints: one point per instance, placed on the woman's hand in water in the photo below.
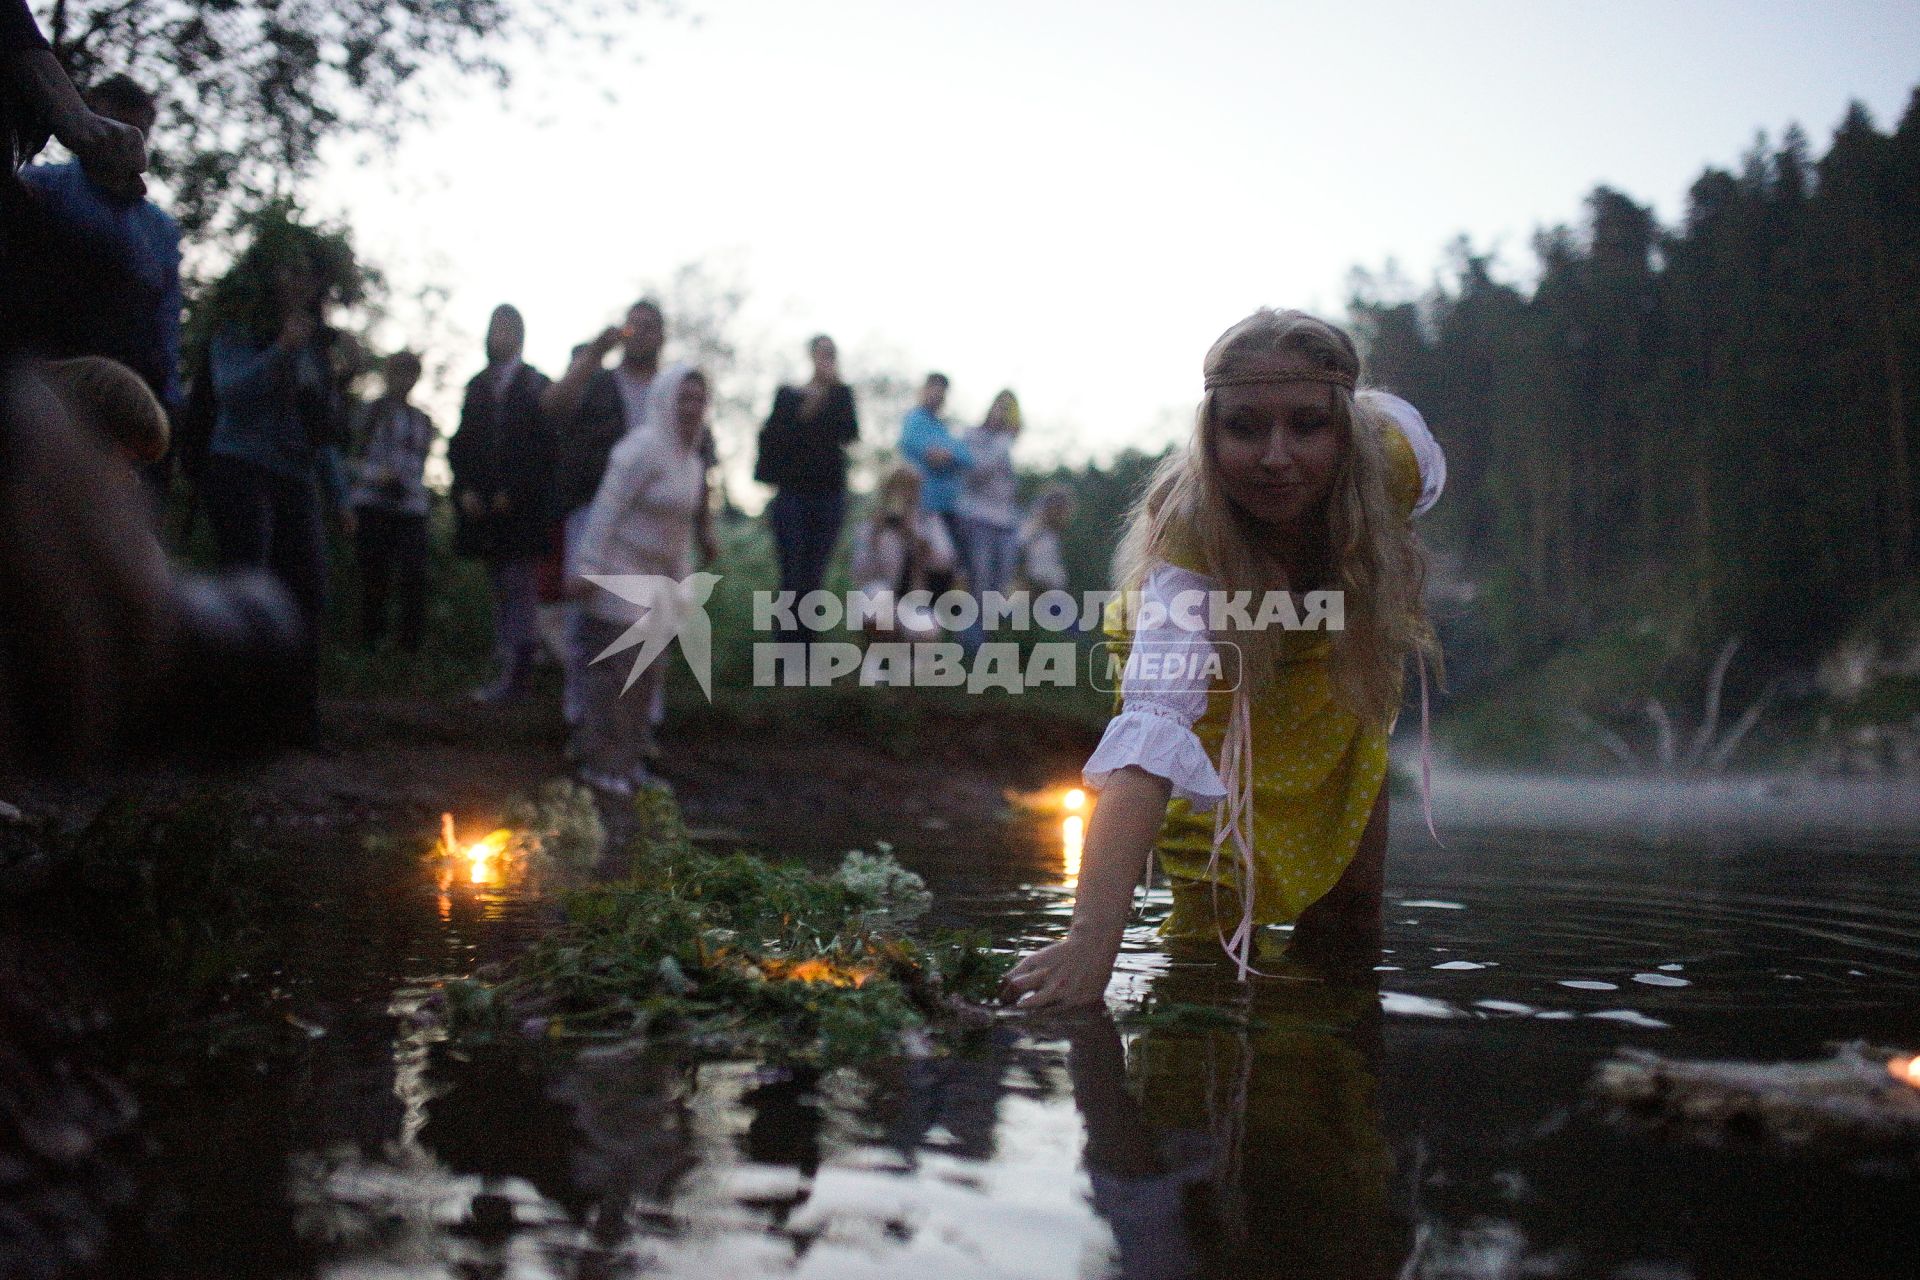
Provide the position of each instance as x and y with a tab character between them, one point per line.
1073	971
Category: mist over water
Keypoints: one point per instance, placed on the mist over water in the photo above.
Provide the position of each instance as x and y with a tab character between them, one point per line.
1713	811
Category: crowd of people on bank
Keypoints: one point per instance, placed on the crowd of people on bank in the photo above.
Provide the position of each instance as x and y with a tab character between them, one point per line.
607	470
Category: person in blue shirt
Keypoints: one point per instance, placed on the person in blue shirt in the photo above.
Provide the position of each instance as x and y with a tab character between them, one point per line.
942	460
109	233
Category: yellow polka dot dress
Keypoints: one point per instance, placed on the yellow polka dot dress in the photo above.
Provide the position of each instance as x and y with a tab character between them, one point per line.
1316	772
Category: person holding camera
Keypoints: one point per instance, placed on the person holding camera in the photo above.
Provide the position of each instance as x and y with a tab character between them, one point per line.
272	469
803	456
390	502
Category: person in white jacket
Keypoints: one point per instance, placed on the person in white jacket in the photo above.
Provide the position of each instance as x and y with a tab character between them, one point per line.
643	522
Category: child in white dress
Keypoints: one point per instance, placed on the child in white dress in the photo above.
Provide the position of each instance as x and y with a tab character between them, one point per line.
894	551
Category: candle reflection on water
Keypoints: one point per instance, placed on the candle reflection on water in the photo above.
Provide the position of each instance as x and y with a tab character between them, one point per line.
1073	831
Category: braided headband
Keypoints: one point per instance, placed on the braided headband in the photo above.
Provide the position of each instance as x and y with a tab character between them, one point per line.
1288	373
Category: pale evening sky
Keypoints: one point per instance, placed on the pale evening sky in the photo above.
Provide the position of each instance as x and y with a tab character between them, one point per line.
1073	199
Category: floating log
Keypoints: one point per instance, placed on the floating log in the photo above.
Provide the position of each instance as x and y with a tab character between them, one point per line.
1853	1100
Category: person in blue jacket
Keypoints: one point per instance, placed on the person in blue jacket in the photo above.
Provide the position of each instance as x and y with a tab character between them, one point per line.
942	460
272	469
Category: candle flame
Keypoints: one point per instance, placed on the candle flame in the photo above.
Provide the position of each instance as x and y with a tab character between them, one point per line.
1905	1070
484	853
1073	837
1049	801
482	856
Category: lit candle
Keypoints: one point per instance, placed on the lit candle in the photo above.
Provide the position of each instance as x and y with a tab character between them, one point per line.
484	851
818	969
481	856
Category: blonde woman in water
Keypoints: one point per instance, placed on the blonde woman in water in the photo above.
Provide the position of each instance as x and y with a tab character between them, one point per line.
1263	795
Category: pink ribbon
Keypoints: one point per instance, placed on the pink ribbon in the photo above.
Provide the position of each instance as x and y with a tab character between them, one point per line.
1426	754
1233	819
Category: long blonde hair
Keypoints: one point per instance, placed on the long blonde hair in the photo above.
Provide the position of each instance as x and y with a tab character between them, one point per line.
1004	412
1373	556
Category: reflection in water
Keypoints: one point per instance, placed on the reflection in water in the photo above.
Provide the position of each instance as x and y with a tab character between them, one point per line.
945	1168
1248	1151
415	1037
1431	1129
1073	836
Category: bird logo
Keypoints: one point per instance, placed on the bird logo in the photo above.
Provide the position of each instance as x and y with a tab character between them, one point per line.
669	611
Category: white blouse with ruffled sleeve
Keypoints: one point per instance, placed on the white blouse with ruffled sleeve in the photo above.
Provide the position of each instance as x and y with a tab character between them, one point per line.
1160	701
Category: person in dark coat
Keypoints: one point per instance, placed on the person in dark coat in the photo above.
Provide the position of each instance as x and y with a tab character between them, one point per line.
803	455
503	472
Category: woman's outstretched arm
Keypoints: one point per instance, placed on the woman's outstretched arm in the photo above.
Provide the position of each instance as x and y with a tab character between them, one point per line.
1120	837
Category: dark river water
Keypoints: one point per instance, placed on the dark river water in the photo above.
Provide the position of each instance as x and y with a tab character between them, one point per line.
1433	1121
